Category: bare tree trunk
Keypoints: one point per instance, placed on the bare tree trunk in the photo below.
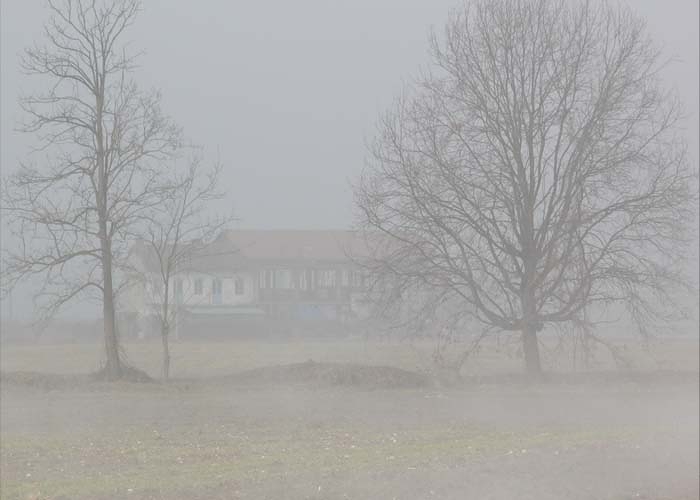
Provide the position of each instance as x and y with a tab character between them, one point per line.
531	351
164	332
531	348
113	368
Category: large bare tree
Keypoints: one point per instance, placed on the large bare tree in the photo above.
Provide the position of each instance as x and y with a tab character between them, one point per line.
535	171
177	232
101	143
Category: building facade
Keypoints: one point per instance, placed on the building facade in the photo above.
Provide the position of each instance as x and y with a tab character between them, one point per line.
281	274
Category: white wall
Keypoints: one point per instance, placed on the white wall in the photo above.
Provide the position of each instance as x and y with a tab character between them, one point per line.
228	292
140	297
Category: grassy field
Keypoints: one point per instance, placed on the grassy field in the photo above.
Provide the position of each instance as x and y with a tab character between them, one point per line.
211	358
204	440
194	462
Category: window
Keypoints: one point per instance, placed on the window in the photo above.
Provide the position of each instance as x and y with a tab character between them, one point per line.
358	279
345	278
198	286
239	286
178	290
216	288
327	279
283	278
267	279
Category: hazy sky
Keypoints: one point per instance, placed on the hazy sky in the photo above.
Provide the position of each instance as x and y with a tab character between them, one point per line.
288	92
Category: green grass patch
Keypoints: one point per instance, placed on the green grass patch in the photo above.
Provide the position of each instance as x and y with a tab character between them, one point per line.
141	461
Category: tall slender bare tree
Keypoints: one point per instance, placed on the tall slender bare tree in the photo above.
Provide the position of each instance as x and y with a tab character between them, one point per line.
535	170
102	140
178	231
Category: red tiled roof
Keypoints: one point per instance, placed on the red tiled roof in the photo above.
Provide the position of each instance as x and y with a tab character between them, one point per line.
292	245
241	248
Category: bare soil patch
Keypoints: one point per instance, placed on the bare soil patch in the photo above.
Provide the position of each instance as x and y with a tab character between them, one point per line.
352	375
309	374
312	373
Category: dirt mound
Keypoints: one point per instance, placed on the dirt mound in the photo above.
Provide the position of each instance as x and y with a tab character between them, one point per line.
333	374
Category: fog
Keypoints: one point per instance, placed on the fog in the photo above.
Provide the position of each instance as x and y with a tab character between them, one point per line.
315	253
288	94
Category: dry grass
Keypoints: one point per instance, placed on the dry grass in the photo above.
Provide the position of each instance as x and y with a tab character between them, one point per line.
167	463
202	440
193	359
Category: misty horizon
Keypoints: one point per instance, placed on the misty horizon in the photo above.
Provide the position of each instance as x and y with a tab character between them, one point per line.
325	250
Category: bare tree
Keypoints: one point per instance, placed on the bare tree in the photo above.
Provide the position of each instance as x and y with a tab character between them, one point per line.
103	141
535	171
178	231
